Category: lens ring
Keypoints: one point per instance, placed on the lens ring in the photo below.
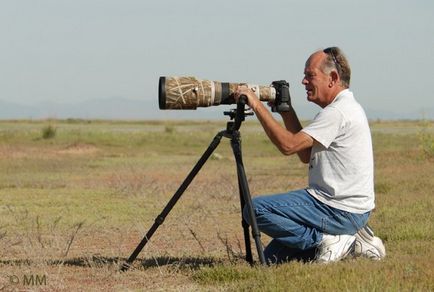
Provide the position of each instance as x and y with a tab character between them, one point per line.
162	92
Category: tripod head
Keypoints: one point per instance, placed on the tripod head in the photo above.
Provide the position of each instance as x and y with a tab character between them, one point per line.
237	115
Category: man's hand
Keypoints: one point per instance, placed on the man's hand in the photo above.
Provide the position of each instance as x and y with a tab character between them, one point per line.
252	99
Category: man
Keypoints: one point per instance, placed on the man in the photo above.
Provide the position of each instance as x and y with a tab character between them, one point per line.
330	215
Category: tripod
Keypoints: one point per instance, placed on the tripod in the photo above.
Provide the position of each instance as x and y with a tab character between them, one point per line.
231	132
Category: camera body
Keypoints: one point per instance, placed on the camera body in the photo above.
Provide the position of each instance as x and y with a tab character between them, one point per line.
282	102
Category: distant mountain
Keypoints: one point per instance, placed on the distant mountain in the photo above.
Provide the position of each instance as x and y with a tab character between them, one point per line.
109	108
426	113
10	110
146	109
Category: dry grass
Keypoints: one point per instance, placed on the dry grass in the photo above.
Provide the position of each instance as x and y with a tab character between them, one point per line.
73	208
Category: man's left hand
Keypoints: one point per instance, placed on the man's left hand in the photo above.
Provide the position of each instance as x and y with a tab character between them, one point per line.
252	99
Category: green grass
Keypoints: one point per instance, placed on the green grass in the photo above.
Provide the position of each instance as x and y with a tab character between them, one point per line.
74	206
348	275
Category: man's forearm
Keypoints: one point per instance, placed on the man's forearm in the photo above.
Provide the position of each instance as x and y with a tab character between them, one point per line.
287	141
293	125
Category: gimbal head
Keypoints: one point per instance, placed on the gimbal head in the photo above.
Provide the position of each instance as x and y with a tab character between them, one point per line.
238	115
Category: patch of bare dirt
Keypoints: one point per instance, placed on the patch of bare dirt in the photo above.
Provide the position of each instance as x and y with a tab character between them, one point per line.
7	151
79	149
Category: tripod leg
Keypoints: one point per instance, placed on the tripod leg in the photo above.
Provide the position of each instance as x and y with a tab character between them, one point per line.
244	190
160	218
245	225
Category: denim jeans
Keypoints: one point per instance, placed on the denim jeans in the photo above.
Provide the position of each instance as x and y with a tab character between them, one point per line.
296	221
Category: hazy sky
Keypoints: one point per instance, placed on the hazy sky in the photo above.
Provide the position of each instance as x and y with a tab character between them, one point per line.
77	50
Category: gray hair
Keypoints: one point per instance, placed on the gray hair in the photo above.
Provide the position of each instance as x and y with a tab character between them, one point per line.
336	60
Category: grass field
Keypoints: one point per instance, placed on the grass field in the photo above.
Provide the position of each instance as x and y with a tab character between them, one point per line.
77	196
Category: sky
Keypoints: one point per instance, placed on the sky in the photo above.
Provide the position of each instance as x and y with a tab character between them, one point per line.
75	50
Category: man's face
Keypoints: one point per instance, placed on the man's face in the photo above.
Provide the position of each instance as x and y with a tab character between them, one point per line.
315	81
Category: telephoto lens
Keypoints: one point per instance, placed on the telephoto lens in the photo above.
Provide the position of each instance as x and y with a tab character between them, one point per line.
183	93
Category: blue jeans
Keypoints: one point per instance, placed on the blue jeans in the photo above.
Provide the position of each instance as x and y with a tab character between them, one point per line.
296	221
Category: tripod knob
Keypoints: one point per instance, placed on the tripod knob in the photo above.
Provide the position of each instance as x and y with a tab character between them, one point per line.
232	113
229	127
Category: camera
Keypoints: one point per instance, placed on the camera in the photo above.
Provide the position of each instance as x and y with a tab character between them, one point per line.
187	93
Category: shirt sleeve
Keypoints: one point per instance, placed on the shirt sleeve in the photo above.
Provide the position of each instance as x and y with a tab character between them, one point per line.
326	126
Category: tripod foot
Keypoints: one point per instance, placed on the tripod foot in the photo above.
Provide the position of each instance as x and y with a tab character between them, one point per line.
125	267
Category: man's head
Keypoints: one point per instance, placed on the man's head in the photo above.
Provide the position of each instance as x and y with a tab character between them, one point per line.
326	73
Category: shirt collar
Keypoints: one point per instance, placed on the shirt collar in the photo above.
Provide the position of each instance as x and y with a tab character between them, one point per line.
340	95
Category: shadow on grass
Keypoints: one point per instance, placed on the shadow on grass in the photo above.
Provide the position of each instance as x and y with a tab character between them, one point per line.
77	262
101	261
182	262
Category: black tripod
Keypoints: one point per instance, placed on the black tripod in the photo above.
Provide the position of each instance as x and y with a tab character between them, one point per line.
231	132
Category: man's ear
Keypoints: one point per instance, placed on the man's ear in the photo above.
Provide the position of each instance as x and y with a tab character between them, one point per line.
335	79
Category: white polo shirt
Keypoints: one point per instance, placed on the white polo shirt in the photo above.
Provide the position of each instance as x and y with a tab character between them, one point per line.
341	167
